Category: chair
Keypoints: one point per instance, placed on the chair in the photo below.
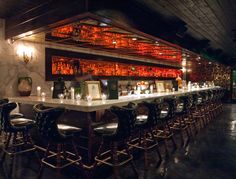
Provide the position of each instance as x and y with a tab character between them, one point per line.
12	115
146	123
163	130
58	135
116	139
176	121
17	134
188	104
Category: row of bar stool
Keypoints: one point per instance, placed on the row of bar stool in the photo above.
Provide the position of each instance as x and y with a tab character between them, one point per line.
139	126
161	119
57	136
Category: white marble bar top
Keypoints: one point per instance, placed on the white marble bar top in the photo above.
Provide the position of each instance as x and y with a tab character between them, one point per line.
96	105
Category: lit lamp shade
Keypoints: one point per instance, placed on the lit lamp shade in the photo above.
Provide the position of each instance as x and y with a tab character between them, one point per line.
25	53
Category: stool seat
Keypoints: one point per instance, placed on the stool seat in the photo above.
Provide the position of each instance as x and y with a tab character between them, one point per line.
57	135
67	129
106	129
163	114
141	120
22	122
16	115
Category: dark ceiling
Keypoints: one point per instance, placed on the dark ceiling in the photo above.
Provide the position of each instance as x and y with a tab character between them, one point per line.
10	8
203	26
210	21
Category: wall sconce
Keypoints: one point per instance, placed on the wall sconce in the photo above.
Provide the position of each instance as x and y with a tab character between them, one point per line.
25	53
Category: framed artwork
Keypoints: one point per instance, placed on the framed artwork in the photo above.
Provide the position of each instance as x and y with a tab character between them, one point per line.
160	86
168	85
93	89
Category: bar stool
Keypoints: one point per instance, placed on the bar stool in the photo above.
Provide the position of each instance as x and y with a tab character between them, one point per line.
221	95
12	115
199	114
194	110
186	113
211	104
18	137
121	135
214	103
177	122
146	123
163	130
205	106
58	135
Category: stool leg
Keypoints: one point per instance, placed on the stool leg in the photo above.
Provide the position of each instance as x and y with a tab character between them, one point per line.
145	150
6	147
58	165
172	136
157	147
98	155
12	157
32	143
132	161
195	125
166	148
115	160
42	164
76	152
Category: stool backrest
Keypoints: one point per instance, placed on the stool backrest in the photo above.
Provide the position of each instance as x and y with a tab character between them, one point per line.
46	120
204	96
172	106
153	113
195	99
210	95
5	116
185	101
2	101
164	110
126	121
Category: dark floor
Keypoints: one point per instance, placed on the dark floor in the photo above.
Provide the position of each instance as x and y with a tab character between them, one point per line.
210	155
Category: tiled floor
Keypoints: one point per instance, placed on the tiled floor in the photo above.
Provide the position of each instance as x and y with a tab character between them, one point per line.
210	155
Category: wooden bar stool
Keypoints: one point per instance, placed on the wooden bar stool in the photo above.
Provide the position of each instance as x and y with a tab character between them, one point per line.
118	154
199	114
177	122
17	133
12	115
187	115
163	130
57	135
146	123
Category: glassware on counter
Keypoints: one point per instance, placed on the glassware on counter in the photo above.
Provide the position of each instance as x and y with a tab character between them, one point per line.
89	98
77	97
104	97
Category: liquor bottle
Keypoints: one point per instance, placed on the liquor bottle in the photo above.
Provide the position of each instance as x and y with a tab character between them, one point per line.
179	80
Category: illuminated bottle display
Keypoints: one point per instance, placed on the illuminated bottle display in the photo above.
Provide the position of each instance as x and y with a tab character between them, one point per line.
71	66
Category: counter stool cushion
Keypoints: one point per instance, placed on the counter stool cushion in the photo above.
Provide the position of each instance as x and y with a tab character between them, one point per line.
16	115
20	122
68	130
106	129
141	120
163	114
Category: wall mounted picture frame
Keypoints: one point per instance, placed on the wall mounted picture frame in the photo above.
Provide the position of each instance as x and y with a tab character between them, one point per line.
93	89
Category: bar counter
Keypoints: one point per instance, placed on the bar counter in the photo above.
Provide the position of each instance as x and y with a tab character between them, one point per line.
87	115
97	105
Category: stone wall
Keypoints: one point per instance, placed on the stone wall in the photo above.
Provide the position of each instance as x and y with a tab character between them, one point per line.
12	67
